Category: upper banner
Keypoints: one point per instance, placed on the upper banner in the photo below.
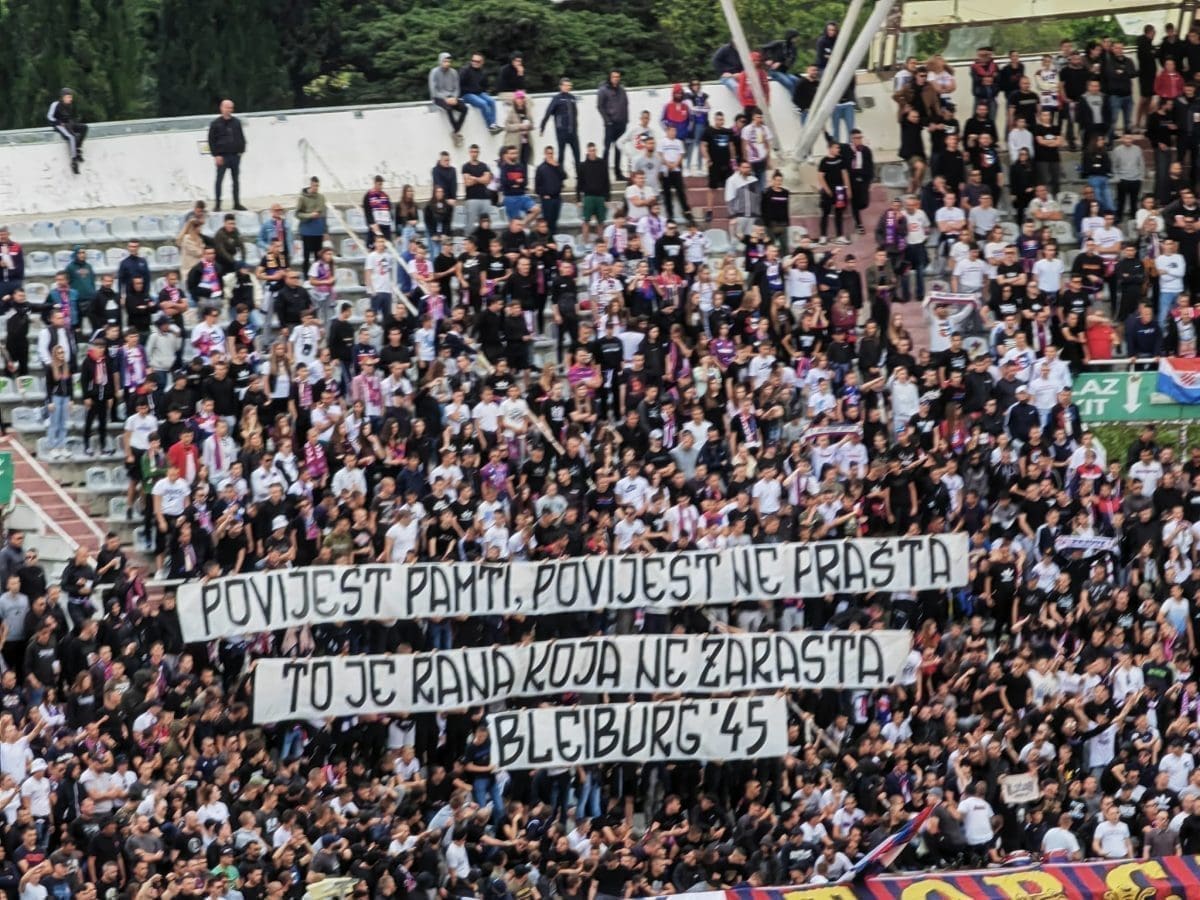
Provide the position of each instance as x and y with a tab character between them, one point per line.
1134	878
556	736
692	664
265	601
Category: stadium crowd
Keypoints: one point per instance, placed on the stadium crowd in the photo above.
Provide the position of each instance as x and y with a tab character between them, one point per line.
515	400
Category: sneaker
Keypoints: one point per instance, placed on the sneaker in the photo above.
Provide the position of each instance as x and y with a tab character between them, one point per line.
239	207
708	216
822	240
88	451
75	166
495	128
217	208
458	139
108	451
843	240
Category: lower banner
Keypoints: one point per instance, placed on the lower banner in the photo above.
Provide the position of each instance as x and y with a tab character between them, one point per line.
556	736
1141	879
632	664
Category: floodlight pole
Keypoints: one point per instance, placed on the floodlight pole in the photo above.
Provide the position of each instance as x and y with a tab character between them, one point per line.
743	49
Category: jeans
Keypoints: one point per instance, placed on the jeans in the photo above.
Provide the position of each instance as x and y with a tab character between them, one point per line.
589	797
613	132
1128	194
917	256
731	83
440	635
842	113
784	78
456	113
484	104
1123	105
56	431
1166	300
551	209
293	744
381	303
568	139
231	163
1099	184
485	790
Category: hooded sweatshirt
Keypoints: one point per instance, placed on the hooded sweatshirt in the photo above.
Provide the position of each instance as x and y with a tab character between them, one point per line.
678	112
81	276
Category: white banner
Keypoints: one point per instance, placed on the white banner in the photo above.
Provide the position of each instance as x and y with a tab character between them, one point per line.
691	664
265	601
1019	788
554	736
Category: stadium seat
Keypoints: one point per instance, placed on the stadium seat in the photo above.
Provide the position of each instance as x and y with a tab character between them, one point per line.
28	419
95	256
43	233
123	228
796	233
894	175
564	240
251	254
21	233
149	228
61	258
333	225
570	217
96	479
167	256
37	293
718	241
171	224
356	220
69	231
1010	230
1067	200
351	249
248	222
1063	232
39	262
96	231
458	221
117	507
346	278
114	256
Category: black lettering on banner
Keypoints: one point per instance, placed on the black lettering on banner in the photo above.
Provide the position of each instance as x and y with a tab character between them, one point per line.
648	675
911	546
241	617
735	662
321	685
854	569
589	654
802	566
652	580
766	560
787	662
274	587
543	581
760	652
870	660
476	676
509	746
708	561
498	592
940	567
417	578
299	591
743	583
538	659
664	719
634	734
562	665
828	558
361	666
812	654
681	578
838	646
730	726
594	580
676	649
633	567
504	674
566	735
883	566
351	591
422	691
688	735
441	591
608	668
464	580
322	584
605	733
211	595
450	688
756	723
710	655
375	579
566	576
295	670
383	676
544	756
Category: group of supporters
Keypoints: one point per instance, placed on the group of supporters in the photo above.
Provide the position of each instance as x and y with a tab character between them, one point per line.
679	402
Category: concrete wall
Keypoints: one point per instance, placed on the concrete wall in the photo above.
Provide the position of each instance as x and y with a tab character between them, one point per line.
165	161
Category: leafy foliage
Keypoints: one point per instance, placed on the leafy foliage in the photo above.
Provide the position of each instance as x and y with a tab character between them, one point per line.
130	58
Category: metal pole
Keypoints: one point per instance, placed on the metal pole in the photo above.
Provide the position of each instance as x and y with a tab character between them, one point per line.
743	49
841	80
839	49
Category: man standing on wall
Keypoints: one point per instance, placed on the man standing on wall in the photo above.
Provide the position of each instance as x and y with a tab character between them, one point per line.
613	103
227	143
564	109
63	119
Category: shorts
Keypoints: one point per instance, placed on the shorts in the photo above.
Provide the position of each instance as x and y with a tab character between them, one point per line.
595	208
517	207
134	469
718	175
